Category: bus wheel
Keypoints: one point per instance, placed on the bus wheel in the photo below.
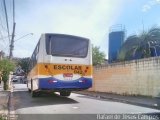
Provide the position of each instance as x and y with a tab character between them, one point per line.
65	93
29	90
33	94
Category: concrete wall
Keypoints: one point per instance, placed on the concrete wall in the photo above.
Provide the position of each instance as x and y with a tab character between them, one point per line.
137	77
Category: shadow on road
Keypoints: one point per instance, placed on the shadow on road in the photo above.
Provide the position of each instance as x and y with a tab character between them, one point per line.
23	99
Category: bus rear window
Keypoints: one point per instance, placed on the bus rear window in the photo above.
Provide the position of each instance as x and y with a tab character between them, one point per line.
67	46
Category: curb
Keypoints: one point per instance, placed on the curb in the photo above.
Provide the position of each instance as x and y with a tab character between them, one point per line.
120	100
4	112
11	113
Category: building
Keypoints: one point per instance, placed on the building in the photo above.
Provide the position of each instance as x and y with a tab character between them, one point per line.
116	39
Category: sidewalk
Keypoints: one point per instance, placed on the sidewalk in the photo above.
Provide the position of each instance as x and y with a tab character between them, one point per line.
144	101
4	96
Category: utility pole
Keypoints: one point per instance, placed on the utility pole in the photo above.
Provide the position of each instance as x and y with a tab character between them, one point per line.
13	33
12	42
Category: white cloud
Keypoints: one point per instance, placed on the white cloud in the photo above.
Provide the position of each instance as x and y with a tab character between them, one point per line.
146	8
150	5
158	1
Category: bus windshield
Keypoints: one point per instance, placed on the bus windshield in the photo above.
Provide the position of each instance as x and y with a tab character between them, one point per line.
67	46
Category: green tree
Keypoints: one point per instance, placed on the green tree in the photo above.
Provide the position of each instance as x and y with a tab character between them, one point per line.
139	46
6	66
24	63
98	57
128	47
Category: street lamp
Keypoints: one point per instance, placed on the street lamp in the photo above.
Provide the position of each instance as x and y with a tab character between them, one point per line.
23	36
12	44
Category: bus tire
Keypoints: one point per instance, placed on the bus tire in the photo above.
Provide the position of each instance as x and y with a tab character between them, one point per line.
65	93
29	90
33	94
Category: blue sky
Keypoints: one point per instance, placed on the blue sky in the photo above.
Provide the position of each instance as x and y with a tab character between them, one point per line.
86	18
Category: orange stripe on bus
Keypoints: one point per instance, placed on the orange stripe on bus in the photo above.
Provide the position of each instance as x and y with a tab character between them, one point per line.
54	69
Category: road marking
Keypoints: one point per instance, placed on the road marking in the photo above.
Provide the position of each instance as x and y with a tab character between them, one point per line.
75	107
155	105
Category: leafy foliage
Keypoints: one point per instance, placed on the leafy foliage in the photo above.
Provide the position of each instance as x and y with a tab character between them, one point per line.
97	56
128	47
24	63
140	46
6	66
1	117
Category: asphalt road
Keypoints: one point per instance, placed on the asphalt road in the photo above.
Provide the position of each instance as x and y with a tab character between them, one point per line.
51	106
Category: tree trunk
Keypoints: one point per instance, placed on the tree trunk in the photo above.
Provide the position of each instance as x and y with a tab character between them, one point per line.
5	86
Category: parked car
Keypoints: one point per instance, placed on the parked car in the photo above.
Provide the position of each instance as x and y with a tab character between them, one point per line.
14	80
25	81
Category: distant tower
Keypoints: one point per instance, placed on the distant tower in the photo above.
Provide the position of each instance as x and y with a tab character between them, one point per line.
116	39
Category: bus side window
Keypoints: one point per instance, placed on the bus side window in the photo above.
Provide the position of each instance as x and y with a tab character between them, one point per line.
50	45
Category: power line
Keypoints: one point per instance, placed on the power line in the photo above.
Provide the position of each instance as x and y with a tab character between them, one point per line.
2	11
2	38
23	36
1	34
11	9
1	25
3	28
6	18
13	12
2	18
